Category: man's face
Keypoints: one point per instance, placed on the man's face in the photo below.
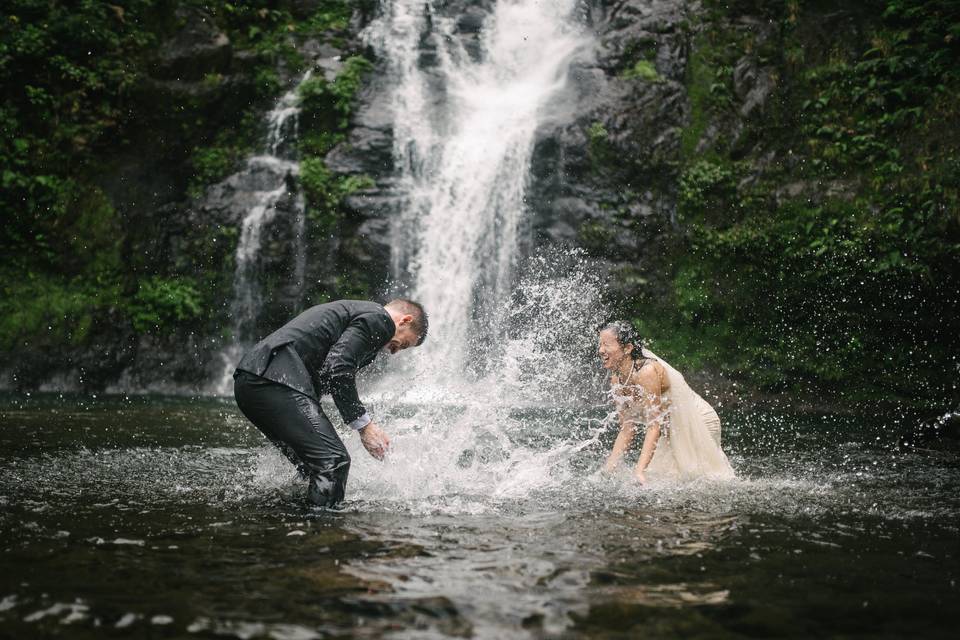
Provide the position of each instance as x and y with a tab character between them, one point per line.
404	338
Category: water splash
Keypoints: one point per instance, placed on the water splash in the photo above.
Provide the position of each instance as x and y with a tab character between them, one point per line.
507	337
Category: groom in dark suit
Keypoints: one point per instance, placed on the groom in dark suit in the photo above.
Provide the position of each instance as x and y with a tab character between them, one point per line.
278	383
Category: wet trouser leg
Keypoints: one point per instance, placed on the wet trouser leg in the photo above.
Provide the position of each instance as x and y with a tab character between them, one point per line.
296	424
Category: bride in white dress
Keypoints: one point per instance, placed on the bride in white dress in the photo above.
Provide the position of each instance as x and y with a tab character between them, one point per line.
682	439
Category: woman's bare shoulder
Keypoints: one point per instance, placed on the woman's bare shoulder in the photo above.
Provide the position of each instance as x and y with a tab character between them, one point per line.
652	376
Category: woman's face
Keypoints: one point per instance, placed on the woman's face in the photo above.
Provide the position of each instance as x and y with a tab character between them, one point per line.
610	351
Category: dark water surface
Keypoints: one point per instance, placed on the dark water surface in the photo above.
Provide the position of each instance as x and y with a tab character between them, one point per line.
159	517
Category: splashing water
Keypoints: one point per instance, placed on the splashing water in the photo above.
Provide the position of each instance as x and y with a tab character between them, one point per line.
488	523
506	337
473	443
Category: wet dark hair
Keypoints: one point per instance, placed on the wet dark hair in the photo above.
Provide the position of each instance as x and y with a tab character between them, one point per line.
625	334
420	323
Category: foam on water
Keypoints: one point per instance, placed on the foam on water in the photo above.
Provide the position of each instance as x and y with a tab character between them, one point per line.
498	513
484	457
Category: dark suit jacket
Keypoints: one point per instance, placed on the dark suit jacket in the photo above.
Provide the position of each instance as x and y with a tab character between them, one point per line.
321	350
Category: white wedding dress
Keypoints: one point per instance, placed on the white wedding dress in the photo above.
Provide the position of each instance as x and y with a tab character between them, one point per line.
689	444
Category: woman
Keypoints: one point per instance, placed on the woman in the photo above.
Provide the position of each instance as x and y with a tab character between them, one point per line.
682	437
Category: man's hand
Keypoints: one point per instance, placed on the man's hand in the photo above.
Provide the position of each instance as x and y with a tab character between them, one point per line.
374	440
640	477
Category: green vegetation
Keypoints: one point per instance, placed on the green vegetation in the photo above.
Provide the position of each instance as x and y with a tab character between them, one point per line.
643	70
39	312
325	192
329	104
67	80
326	107
79	98
835	270
705	186
601	153
163	303
211	164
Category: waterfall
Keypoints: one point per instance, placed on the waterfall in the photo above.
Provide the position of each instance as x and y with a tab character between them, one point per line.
464	121
266	180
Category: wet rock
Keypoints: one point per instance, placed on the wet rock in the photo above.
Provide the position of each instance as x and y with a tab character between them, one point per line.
815	191
327	59
368	152
612	162
753	85
198	48
471	21
567	215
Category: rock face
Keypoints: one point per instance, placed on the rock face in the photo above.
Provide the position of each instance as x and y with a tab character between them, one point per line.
606	159
197	49
604	171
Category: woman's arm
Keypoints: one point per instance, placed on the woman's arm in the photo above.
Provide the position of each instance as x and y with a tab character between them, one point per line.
648	379
627	432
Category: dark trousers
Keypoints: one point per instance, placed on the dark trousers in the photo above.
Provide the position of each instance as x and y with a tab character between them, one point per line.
296	424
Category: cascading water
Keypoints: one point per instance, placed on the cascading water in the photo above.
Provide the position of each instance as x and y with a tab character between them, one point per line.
505	338
463	138
267	179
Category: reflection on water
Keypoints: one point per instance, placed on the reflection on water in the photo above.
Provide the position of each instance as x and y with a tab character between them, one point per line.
171	517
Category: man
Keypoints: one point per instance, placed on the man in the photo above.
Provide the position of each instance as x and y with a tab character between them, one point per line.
278	384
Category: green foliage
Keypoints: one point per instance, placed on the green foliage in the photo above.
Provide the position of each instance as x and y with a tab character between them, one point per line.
824	293
836	271
601	153
324	191
705	186
162	303
595	237
46	312
267	82
330	15
66	75
210	165
319	143
693	296
319	188
597	133
328	105
643	70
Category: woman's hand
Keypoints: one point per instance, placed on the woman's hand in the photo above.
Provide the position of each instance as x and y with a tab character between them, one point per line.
375	441
640	476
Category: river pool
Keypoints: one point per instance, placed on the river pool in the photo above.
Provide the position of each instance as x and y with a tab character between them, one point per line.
168	517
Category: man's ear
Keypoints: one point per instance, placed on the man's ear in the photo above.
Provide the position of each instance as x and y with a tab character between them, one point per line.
405	320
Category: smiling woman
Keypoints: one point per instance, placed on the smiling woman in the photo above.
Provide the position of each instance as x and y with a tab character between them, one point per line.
682	439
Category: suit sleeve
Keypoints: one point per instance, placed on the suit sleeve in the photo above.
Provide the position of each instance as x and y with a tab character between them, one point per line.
343	362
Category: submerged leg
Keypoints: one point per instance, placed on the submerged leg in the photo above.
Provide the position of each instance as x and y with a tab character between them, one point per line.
296	424
323	453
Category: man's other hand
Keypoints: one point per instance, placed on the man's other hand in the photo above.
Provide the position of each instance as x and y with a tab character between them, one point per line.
374	440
